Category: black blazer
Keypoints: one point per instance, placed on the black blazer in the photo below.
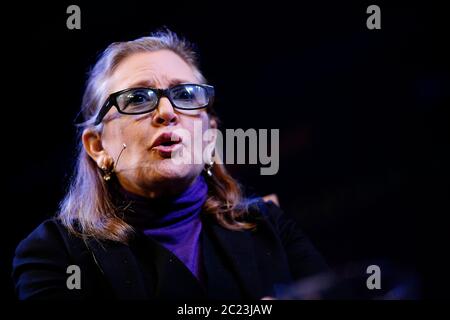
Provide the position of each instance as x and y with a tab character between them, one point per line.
238	264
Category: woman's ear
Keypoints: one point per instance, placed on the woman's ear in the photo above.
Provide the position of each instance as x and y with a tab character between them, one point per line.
92	143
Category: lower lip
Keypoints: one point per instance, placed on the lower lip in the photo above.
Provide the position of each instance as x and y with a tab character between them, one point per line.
167	151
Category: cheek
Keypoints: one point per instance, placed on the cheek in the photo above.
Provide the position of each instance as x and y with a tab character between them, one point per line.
138	137
124	132
198	124
204	138
194	132
111	135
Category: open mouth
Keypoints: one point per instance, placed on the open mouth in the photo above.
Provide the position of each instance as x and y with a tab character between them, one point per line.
167	143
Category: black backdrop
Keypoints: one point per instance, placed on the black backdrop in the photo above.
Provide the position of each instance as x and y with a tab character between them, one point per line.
363	114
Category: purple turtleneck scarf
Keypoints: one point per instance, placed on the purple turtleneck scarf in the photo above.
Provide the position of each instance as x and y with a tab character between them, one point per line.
174	222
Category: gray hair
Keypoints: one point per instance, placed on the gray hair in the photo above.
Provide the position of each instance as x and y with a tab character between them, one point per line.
88	209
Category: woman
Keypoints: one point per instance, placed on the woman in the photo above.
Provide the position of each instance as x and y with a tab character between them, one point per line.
135	224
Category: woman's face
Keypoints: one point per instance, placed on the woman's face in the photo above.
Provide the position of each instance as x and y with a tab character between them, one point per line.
143	168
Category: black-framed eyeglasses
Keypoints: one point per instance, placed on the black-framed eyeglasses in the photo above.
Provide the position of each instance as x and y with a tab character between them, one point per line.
145	99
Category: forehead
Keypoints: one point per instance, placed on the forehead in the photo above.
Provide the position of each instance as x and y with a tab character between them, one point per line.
157	69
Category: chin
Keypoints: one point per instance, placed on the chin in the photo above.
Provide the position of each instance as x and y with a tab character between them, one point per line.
166	170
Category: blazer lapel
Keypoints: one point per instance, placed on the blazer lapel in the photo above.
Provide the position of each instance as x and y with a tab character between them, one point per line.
237	247
120	267
175	280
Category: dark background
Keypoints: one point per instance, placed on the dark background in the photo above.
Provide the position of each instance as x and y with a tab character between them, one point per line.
363	114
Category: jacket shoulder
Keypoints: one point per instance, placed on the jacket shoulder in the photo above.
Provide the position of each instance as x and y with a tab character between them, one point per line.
304	259
269	212
41	260
48	235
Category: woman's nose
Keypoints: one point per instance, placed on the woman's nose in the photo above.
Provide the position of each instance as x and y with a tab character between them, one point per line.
165	113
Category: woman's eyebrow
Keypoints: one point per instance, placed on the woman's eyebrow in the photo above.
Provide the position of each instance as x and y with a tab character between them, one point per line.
151	83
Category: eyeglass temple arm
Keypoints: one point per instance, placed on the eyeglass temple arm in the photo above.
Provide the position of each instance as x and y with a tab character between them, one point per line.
211	93
103	111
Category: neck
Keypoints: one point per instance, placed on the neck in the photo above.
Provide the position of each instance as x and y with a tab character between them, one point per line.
146	212
158	190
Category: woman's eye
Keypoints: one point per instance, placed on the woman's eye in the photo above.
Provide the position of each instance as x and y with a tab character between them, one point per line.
184	95
137	99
